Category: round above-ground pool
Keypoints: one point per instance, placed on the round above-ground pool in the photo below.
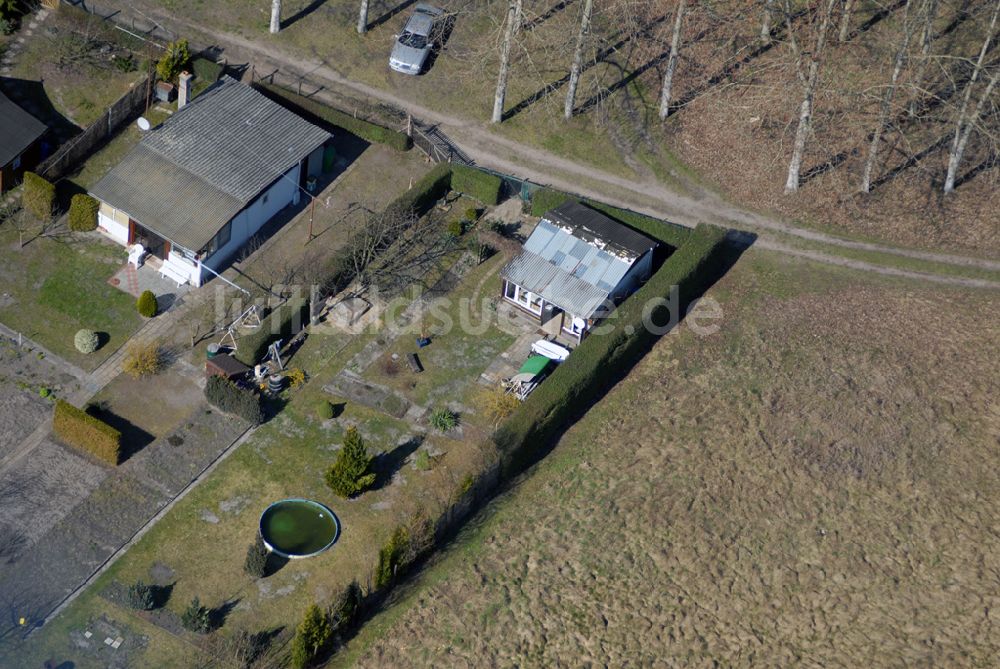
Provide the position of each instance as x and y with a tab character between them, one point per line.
298	528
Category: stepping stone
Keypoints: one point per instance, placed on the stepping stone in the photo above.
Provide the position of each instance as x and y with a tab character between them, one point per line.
33	24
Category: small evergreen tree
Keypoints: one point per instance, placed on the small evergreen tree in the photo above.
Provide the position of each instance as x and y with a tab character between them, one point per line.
197	618
146	305
351	474
256	562
174	60
311	637
140	596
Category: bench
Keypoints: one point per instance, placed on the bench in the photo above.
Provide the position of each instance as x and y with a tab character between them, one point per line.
169	271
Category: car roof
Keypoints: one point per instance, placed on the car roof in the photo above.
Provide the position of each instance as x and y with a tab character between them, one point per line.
420	24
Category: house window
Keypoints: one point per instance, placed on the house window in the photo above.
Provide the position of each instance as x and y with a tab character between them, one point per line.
16	163
221	238
509	290
529	300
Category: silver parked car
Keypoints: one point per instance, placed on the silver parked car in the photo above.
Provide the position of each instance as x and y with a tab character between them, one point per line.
414	44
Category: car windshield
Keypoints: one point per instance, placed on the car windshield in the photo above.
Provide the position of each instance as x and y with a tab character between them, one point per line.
414	41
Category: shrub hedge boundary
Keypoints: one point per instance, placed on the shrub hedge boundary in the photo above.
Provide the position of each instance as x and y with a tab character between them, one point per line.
286	320
226	396
317	111
476	183
77	428
602	358
673	234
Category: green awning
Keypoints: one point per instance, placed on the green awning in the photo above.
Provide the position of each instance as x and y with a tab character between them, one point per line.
536	364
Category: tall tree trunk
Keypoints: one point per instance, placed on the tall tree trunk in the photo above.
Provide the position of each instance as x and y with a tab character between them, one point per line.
363	18
930	8
845	20
765	24
886	105
963	126
809	80
577	66
510	30
668	78
275	16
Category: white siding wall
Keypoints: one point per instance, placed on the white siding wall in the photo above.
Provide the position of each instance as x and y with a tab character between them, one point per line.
107	224
283	192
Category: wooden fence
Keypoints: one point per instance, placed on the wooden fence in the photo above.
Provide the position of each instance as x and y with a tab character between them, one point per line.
126	109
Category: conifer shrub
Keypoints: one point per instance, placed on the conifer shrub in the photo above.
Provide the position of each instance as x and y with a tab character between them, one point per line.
83	213
351	473
312	637
146	305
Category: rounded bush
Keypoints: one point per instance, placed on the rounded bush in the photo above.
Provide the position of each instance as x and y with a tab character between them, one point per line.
456	228
324	410
146	304
86	341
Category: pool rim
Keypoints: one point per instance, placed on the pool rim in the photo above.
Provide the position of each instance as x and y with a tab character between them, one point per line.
298	556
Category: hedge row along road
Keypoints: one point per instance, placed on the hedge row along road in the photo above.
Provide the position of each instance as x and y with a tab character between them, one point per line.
653	198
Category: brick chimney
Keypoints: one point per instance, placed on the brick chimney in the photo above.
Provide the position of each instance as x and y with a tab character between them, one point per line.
184	89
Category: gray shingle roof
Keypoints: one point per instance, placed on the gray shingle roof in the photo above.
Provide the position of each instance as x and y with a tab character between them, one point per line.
192	174
18	130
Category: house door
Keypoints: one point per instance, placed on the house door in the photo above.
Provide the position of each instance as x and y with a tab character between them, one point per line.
152	242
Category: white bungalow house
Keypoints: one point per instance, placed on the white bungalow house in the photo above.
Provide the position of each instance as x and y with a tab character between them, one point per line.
575	267
197	187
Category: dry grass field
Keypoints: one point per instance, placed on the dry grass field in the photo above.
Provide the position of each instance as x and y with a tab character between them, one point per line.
814	484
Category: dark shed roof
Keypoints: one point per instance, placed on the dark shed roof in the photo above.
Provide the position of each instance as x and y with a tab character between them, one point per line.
591	225
191	175
18	130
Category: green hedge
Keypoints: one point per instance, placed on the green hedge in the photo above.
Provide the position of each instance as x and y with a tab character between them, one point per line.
230	398
39	196
476	183
281	323
429	189
546	199
603	357
206	69
83	213
317	111
79	429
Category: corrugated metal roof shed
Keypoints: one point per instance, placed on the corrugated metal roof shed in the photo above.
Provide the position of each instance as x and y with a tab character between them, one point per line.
18	130
576	257
191	175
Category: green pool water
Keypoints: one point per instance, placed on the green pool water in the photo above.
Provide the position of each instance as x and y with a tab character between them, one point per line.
298	527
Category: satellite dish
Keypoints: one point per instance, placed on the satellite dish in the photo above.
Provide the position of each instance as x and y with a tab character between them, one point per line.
143	123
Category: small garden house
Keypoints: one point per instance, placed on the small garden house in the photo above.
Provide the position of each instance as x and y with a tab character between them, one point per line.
198	187
575	267
20	143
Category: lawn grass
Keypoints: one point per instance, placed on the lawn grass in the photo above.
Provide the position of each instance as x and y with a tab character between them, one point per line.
203	539
458	354
54	287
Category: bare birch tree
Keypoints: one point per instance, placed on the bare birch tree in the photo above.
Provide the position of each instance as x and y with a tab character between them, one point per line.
577	66
966	120
363	18
808	77
513	22
929	13
886	105
765	24
275	16
845	20
668	78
